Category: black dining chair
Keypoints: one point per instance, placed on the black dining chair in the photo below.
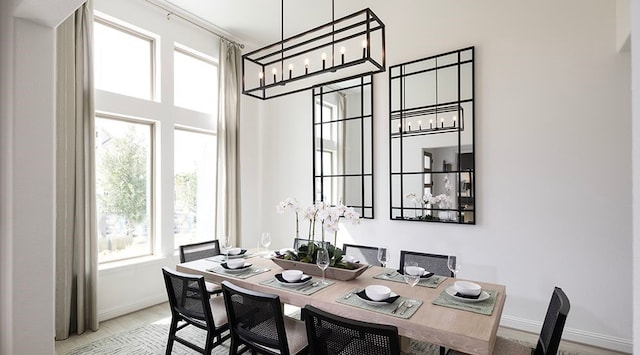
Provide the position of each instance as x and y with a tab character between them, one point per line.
202	250
331	334
256	321
363	253
550	335
434	263
191	306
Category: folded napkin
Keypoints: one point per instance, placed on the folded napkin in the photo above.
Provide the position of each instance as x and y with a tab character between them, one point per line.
458	294
226	267
425	276
281	279
363	294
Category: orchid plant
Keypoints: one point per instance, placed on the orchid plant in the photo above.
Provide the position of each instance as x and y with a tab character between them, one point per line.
330	217
442	200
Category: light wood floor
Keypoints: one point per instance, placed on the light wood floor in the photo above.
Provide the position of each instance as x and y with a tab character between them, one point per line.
161	313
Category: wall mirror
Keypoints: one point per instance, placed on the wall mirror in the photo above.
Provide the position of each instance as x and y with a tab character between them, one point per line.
432	139
343	144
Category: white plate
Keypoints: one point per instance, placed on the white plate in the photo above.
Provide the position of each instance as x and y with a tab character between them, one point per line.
296	284
240	269
242	255
451	291
377	303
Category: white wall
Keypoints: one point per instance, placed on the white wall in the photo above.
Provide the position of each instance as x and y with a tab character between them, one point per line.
552	153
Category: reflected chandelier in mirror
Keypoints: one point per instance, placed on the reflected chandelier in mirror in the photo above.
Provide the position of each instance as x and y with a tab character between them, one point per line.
432	139
343	144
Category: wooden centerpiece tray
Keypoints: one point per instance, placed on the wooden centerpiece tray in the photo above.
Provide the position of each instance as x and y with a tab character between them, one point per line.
312	269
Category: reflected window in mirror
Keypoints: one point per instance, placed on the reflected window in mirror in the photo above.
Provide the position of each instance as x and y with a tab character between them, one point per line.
343	144
432	161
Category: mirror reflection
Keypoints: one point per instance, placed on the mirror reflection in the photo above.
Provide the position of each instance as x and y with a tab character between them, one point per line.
431	137
343	144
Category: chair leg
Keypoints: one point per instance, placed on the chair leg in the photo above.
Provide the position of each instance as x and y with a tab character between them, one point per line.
208	347
443	350
172	334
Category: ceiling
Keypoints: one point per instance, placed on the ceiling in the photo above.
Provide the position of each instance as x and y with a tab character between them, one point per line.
258	23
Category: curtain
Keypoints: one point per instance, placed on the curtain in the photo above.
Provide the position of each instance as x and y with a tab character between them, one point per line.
76	241
228	189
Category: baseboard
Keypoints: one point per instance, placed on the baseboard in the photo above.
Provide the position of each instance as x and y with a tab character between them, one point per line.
131	307
571	334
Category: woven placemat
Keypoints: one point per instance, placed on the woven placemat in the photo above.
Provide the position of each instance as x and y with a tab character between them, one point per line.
352	299
251	271
310	288
431	282
482	307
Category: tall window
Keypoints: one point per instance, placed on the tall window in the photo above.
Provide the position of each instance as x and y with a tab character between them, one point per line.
195	80
194	186
123	187
124	60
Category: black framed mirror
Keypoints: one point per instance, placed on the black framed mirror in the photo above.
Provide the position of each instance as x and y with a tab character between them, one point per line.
343	144
432	151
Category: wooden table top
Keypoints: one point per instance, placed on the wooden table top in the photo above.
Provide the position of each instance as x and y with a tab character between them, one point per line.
465	331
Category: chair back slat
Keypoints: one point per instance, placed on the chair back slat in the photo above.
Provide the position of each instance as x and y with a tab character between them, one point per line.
431	262
198	251
331	334
363	253
553	325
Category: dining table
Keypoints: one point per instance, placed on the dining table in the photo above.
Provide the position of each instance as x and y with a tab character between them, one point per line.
436	316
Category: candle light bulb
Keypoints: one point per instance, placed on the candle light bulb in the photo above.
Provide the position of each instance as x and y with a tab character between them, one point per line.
442	122
342	50
324	57
409	125
260	75
420	124
454	121
364	48
290	69
274	71
306	65
431	123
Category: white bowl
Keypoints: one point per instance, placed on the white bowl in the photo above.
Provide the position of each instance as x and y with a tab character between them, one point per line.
348	258
414	270
377	292
235	263
234	251
292	275
467	288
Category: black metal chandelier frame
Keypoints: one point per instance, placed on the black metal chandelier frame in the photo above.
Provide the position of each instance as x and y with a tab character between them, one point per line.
361	25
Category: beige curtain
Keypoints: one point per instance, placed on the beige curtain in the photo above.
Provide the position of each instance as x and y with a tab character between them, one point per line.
228	189
76	248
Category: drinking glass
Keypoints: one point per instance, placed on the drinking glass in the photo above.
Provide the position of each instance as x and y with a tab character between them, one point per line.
453	265
383	258
322	260
409	273
265	240
225	245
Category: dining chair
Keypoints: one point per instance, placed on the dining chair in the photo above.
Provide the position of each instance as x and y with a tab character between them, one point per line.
202	250
330	334
256	321
434	263
297	242
550	334
363	253
191	305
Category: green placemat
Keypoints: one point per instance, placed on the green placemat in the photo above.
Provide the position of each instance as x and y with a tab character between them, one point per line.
352	299
431	282
309	289
482	307
251	271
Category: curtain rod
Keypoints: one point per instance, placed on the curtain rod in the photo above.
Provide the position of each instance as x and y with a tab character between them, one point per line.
173	13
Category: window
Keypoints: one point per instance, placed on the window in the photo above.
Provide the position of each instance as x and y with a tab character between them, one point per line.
194	186
123	60
195	80
123	188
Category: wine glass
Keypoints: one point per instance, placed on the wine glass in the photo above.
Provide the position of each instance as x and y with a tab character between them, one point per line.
265	240
412	273
322	260
225	245
453	265
383	258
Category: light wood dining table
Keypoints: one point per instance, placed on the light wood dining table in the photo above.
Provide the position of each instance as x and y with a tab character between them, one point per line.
461	330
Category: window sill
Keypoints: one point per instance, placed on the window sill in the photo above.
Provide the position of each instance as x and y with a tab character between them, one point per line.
134	263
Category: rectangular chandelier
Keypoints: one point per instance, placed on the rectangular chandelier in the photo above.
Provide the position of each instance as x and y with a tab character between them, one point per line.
350	46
